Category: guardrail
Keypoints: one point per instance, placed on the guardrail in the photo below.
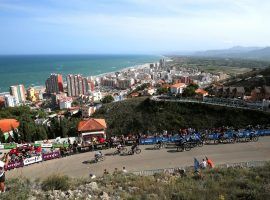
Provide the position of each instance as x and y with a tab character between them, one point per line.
171	170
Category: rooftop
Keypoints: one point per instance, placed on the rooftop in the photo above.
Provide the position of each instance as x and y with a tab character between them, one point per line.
7	125
92	124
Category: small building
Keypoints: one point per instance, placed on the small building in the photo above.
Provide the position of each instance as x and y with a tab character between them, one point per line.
87	111
178	88
201	92
92	128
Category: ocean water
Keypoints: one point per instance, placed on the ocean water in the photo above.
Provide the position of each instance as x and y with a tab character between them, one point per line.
33	70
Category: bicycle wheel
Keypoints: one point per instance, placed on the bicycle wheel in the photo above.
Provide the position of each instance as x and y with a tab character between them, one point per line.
187	147
180	149
138	151
255	139
124	150
157	146
200	144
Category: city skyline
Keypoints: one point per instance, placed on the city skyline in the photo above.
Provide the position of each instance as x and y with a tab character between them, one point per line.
130	27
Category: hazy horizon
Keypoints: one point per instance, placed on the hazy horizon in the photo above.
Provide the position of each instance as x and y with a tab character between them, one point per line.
130	26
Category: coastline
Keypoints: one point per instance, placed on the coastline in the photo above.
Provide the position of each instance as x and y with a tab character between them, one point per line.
137	66
140	66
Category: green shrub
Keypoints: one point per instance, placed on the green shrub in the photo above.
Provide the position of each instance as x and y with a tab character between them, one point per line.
56	182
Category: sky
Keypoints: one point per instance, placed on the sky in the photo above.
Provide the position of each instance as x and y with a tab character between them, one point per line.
131	26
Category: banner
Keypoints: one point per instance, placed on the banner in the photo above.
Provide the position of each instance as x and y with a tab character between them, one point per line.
32	160
148	141
43	145
49	156
13	165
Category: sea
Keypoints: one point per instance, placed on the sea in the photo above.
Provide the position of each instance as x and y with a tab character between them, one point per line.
33	70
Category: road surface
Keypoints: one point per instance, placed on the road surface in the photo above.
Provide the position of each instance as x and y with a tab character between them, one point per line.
148	159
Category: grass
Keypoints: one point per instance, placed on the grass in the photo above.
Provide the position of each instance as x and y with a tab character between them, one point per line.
56	182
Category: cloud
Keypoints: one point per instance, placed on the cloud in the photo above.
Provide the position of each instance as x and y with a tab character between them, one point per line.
162	24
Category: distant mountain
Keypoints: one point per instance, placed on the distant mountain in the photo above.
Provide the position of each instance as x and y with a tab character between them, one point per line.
260	53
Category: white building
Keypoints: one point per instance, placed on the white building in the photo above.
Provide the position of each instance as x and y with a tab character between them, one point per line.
178	88
96	96
65	103
10	101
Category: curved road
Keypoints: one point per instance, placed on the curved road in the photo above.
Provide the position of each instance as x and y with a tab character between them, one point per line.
148	159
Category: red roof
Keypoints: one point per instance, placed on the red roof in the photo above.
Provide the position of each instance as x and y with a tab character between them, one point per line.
7	125
201	91
178	85
92	125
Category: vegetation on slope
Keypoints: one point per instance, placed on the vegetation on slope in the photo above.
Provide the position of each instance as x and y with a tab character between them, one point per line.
143	115
219	183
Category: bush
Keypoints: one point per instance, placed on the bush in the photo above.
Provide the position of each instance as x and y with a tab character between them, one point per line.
56	182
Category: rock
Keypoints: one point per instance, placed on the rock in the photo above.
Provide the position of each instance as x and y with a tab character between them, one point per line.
62	195
32	198
152	196
120	188
69	193
93	186
89	197
104	196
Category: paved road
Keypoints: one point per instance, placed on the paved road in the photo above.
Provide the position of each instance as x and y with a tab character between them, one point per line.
230	105
148	159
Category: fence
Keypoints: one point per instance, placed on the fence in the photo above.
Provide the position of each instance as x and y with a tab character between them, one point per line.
246	133
171	170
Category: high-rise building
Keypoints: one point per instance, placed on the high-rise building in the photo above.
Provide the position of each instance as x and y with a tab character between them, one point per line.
125	83
162	63
54	84
18	91
78	85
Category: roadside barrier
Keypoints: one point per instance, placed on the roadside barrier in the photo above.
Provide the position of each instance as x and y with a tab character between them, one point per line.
213	136
32	160
248	164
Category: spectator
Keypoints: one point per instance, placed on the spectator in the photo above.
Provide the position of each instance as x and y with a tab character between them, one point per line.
203	164
115	171
2	173
105	172
92	176
210	163
124	170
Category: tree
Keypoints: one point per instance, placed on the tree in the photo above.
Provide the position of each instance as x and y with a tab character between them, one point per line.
64	127
189	91
107	99
162	90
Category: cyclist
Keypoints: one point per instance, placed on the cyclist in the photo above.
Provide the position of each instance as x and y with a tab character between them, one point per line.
134	146
98	155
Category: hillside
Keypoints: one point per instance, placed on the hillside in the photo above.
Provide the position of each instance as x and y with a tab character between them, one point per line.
251	80
142	115
238	52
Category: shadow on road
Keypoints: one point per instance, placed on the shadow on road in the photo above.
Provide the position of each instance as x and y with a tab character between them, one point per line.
151	148
89	162
172	151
